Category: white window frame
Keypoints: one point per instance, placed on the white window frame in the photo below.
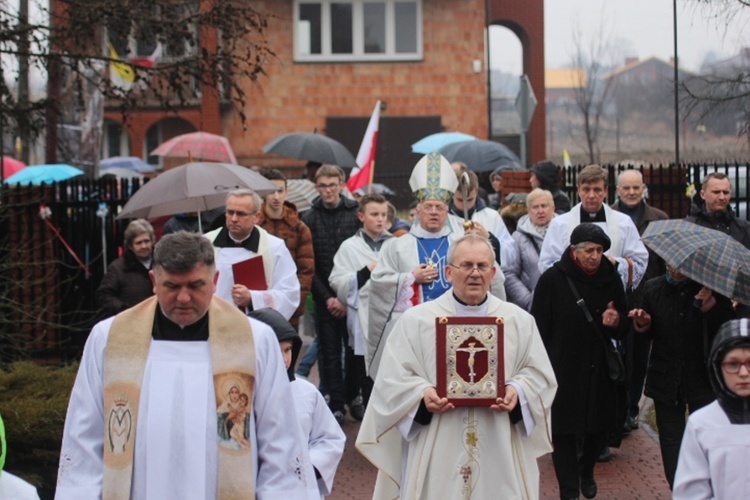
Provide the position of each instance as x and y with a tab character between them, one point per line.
358	53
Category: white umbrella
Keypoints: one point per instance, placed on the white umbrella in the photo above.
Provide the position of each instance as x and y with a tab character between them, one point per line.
193	187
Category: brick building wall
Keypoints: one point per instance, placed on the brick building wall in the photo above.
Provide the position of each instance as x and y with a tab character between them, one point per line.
297	97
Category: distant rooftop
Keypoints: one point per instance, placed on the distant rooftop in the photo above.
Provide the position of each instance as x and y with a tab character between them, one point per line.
569	78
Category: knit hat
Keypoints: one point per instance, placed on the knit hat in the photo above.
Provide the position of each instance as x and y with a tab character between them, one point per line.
588	232
433	178
516	198
547	173
732	334
283	330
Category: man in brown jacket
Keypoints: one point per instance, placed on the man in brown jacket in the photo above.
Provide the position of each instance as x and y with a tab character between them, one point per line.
281	218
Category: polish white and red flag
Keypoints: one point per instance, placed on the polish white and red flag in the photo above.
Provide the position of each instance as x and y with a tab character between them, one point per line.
148	61
362	174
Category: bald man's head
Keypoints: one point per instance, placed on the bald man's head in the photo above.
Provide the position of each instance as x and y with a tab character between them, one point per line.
630	188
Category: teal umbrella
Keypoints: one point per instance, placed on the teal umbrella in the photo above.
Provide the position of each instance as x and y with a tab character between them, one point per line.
433	142
38	174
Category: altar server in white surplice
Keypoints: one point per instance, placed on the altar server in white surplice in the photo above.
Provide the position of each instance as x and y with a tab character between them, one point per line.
183	396
411	268
241	239
426	448
325	439
353	265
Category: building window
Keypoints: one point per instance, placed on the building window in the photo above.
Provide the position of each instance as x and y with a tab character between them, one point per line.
357	30
178	37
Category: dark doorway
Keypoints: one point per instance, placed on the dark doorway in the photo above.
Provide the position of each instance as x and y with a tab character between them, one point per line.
394	159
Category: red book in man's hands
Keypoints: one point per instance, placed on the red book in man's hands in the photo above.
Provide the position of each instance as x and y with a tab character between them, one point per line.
250	273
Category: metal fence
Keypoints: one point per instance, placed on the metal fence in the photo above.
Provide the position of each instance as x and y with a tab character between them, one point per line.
48	300
54	311
670	187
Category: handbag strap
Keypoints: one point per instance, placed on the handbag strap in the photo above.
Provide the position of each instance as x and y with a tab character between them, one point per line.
582	304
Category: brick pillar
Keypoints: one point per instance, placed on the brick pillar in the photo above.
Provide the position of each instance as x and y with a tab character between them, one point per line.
526	20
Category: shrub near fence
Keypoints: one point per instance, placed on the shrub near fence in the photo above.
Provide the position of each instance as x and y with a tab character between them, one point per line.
55	307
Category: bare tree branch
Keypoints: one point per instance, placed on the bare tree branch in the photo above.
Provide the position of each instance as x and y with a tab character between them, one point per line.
591	93
73	38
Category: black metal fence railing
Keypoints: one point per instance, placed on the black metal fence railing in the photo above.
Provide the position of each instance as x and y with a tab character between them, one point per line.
84	211
81	232
673	188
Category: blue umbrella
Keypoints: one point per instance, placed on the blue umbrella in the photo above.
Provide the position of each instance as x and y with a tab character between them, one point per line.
433	142
38	174
130	162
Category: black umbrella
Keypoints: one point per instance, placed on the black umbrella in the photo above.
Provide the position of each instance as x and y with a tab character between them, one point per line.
311	147
482	156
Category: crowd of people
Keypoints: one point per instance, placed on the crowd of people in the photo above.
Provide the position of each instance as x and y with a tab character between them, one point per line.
192	387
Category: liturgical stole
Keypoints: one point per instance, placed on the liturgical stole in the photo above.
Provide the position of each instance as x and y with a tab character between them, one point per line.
230	341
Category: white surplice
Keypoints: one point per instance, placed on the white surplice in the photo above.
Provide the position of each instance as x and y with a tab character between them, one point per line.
284	291
465	452
326	440
176	450
713	457
626	242
353	254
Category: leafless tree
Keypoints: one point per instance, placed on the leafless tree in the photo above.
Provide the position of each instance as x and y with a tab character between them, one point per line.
68	42
724	87
592	94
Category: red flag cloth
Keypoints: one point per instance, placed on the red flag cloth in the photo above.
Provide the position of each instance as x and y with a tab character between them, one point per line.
360	176
148	61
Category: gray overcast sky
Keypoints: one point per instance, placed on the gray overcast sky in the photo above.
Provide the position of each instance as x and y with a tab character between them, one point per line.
643	26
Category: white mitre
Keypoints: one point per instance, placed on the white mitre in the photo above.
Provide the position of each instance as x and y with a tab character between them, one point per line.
433	178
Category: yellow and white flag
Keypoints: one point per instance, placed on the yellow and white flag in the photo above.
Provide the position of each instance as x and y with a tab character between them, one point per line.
566	159
121	74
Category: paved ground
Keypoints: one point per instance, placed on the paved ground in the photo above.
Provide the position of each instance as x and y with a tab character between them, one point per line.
634	473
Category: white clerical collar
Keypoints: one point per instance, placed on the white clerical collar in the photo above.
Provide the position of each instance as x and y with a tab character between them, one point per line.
420	232
467	310
238	242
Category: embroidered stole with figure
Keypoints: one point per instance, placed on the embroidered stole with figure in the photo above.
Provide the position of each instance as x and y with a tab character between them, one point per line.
232	358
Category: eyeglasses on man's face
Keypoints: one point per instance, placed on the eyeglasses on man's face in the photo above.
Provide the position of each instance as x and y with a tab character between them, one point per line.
470	267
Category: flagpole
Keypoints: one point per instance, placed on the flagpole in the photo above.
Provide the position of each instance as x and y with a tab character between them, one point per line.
372	176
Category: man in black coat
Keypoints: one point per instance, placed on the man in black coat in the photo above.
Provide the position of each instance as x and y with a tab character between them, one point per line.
712	210
332	219
682	318
127	281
